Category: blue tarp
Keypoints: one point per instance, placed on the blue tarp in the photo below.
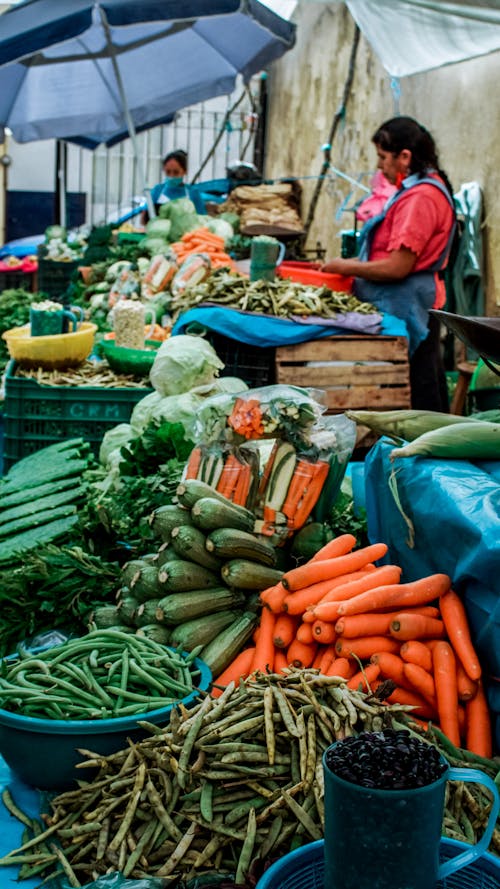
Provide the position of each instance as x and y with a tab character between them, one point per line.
266	331
454	507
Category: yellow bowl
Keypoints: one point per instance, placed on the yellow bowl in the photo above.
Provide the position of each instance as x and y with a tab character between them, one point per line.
59	351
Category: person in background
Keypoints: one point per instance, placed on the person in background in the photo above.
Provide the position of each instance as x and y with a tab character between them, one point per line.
173	187
404	249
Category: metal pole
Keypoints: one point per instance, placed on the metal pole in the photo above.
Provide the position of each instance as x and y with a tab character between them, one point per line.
128	117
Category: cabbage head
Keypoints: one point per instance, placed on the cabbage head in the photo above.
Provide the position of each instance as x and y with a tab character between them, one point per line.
182	363
158	228
181	408
113	440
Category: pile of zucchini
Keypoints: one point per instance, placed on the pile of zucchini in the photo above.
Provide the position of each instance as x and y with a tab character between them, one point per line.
199	590
40	496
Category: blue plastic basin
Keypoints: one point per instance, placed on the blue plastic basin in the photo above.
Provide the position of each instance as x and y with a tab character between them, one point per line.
44	752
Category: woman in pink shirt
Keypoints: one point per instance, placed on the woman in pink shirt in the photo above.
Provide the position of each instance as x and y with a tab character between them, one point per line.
404	249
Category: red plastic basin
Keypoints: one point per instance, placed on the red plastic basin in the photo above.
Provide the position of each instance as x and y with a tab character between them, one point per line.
310	273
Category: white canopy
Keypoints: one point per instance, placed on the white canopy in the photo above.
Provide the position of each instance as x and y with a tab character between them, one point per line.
411	36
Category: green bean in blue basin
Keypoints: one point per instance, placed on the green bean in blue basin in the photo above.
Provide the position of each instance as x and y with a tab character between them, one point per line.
88	693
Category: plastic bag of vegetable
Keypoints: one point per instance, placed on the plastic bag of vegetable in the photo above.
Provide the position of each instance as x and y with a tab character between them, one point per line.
118	881
182	363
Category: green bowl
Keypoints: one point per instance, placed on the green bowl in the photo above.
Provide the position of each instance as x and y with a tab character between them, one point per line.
130	361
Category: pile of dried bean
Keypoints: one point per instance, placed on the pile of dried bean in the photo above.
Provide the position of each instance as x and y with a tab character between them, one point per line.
226	788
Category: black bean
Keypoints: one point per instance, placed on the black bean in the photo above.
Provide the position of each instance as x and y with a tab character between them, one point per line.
391	759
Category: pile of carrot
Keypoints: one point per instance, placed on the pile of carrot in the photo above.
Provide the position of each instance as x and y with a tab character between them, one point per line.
345	616
202	240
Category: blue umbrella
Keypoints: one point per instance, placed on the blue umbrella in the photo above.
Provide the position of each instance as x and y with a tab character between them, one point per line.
94	72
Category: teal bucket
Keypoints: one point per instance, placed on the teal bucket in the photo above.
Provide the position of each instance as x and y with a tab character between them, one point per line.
391	838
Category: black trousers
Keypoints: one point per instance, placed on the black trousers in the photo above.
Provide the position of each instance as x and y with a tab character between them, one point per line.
427	375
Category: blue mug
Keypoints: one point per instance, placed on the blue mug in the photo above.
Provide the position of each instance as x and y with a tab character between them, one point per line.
391	838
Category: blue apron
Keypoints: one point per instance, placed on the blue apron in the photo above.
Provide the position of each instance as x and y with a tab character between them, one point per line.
411	298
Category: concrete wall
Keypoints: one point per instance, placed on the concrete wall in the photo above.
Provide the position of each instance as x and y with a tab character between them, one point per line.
456	103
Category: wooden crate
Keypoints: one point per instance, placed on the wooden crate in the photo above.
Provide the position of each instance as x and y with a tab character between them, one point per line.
356	372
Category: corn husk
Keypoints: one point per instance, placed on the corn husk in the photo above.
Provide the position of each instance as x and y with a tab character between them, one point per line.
404	425
471	440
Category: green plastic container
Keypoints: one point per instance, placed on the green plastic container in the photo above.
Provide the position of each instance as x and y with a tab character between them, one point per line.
36	416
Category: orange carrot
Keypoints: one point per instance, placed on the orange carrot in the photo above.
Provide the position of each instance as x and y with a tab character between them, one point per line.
363	679
342	667
466	686
415	652
229	476
284	630
301	478
313	572
327	658
323	632
242	487
445	679
193	463
301	655
339	546
406	626
319	592
255	634
280	661
320	653
422	708
478	735
305	634
421	681
391	667
374	622
417	592
364	646
347	589
274	597
268	467
457	628
239	668
310	495
264	647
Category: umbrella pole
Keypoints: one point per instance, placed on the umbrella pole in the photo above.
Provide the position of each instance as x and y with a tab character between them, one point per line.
128	117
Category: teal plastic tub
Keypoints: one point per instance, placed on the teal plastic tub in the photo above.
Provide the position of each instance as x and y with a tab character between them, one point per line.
44	752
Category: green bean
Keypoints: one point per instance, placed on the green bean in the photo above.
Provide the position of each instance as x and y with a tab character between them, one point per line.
189	742
206	801
247	849
141	846
131	807
286	713
161	813
302	816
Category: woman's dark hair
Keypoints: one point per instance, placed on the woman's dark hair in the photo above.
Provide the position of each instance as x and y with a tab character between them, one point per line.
178	155
404	132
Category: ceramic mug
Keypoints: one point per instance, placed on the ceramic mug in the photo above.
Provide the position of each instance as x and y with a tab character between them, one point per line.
51	319
389	838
